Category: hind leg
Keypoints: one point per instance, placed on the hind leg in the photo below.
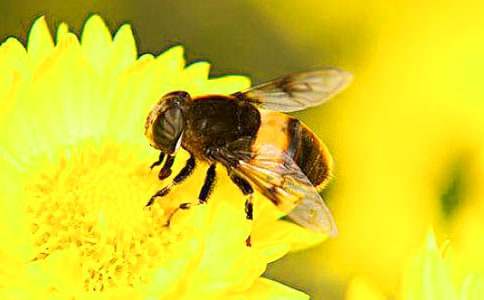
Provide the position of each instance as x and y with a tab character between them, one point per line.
248	191
204	192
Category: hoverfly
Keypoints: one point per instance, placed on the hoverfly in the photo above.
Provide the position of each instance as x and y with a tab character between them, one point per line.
259	146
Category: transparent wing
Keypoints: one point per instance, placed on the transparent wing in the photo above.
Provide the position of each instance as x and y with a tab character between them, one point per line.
277	176
313	214
297	91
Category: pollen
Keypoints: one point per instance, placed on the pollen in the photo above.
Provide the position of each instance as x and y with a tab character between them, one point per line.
91	199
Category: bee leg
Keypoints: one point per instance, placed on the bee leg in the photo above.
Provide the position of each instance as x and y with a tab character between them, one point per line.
186	171
207	185
181	176
165	171
248	191
204	192
159	161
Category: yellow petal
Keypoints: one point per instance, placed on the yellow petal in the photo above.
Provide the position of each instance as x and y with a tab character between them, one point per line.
62	30
124	51
40	43
171	60
14	67
427	276
198	71
297	237
265	289
12	53
473	288
196	75
96	42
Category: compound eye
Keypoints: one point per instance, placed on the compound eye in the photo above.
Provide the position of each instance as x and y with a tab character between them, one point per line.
167	129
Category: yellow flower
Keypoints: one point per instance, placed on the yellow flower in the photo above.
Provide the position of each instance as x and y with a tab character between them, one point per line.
432	273
75	181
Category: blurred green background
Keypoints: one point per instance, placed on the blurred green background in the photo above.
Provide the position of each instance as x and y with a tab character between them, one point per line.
235	36
407	136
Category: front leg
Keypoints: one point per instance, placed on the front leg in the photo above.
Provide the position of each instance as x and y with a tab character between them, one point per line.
159	161
165	171
181	176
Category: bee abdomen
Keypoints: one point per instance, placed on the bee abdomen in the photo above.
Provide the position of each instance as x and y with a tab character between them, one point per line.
309	153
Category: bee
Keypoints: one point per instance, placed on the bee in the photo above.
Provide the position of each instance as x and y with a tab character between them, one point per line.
249	134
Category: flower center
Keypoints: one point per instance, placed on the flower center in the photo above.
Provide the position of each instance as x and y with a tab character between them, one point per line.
92	199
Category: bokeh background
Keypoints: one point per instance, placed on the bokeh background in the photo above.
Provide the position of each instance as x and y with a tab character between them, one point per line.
407	136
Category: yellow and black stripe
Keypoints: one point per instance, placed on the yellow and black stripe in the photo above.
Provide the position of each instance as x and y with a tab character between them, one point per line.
303	146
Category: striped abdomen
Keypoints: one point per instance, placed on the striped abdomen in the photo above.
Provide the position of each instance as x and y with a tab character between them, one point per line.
295	138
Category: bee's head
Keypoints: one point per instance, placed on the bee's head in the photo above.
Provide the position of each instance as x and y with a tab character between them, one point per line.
165	123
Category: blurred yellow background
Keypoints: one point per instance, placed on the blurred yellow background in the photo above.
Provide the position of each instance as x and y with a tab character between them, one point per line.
407	136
